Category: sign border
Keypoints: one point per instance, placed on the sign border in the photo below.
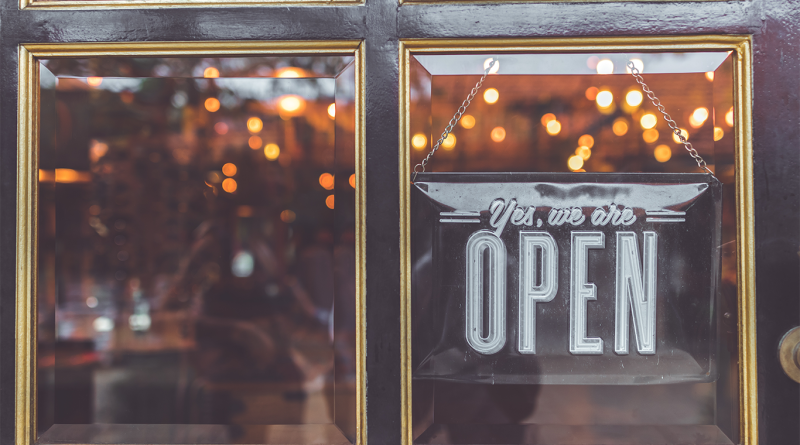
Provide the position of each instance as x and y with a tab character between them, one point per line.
741	47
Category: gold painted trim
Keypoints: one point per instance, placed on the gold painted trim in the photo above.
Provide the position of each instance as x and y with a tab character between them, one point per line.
743	80
27	192
165	4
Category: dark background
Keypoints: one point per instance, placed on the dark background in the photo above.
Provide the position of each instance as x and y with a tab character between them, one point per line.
775	26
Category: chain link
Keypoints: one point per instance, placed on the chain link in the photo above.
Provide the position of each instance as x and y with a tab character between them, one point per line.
460	112
667	118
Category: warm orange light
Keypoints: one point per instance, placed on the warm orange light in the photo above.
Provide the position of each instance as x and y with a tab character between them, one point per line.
97	150
575	162
662	153
221	128
729	117
332	111
718	133
254	124
498	134
584	152
272	151
94	81
352	180
650	135
326	181
449	142
553	128
291	103
620	127
467	121
254	142
290	72
604	66
491	95
634	98
683	132
229	185
591	93
586	140
229	169
329	202
710	76
419	141
288	216
698	117
648	121
547	118
604	99
68	176
210	73
212	104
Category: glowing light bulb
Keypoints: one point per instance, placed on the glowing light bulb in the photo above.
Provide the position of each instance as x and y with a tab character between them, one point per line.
604	98
491	95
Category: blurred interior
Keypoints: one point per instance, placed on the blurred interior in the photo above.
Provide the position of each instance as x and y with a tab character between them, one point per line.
197	277
581	113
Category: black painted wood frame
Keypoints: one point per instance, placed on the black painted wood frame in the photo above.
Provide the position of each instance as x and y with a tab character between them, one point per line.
774	24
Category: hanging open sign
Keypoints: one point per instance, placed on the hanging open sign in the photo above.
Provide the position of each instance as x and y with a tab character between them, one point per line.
565	278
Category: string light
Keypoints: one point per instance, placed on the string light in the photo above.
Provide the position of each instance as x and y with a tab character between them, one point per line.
698	117
254	124
449	142
491	95
634	98
229	169
650	135
648	121
605	66
547	118
272	151
498	134
229	185
604	99
584	152
467	121
620	127
326	181
575	162
212	104
586	140
254	142
591	93
553	127
662	153
419	141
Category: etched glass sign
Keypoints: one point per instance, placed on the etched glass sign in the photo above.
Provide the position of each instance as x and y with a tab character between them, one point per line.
524	278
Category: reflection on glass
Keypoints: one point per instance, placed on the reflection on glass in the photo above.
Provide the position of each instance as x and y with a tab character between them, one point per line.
196	283
581	113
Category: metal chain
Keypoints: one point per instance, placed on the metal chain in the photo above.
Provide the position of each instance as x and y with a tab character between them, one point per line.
454	120
672	124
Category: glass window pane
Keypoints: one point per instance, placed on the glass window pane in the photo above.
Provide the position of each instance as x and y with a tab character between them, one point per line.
571	114
197	276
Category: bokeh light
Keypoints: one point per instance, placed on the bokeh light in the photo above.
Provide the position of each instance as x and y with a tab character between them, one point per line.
547	118
332	111
650	135
467	121
498	134
326	181
229	169
553	127
584	152
620	127
329	202
662	153
254	124
221	128
94	81
698	117
291	103
419	141
210	73
604	66
604	99
229	185
575	162
634	98
352	180
288	216
718	133
449	142
272	151
729	117
586	140
491	95
637	63
683	132
254	142
212	104
648	121
591	93
495	67
710	76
